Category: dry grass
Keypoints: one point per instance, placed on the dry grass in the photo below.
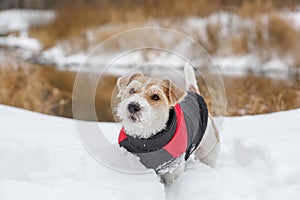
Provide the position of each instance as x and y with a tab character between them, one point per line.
76	16
251	95
240	43
283	39
275	37
26	87
257	7
48	90
64	80
283	36
213	39
255	95
71	20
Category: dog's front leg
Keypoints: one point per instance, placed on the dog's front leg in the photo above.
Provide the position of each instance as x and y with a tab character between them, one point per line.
171	171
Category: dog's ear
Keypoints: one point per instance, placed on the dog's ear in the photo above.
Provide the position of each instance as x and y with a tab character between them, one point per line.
173	92
122	82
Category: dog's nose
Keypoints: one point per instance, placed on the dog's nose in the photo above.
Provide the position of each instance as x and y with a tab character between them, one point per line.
133	107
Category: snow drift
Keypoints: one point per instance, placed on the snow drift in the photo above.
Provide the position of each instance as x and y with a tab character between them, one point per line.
42	158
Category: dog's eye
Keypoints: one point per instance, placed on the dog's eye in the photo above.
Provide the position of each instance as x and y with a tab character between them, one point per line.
131	91
155	97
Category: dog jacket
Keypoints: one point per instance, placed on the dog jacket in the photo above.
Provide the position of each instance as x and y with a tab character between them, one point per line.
185	128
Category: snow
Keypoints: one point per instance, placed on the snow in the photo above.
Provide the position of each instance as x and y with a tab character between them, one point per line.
23	42
21	20
260	159
42	158
293	16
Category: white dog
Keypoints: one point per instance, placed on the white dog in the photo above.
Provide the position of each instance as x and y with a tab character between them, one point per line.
164	125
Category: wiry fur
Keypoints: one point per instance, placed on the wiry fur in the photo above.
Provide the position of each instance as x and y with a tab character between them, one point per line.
153	116
190	78
149	121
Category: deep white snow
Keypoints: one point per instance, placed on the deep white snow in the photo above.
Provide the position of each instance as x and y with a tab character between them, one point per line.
41	158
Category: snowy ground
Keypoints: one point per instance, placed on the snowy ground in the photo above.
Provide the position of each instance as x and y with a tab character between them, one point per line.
42	158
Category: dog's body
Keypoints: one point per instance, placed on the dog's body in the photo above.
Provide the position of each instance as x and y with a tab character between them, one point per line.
147	112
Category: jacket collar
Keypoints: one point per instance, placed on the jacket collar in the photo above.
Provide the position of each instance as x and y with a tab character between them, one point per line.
157	141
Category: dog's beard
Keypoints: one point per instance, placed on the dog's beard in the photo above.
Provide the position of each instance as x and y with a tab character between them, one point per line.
143	123
141	118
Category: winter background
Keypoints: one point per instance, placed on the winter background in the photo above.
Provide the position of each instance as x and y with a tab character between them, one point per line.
255	45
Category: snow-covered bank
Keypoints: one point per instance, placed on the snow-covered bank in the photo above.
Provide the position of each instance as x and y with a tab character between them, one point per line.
237	44
24	42
254	42
14	26
42	158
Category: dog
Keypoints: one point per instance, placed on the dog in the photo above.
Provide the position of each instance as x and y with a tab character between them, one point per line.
163	124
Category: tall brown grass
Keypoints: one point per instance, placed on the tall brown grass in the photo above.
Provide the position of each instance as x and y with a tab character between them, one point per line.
26	87
251	95
282	40
49	91
240	43
283	35
256	95
76	16
272	36
213	39
279	37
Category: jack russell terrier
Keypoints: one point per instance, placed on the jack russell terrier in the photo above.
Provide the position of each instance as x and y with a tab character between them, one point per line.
163	125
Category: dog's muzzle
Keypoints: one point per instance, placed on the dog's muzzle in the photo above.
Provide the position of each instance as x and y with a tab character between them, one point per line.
133	109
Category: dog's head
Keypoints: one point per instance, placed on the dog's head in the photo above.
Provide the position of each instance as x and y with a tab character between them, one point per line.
145	103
